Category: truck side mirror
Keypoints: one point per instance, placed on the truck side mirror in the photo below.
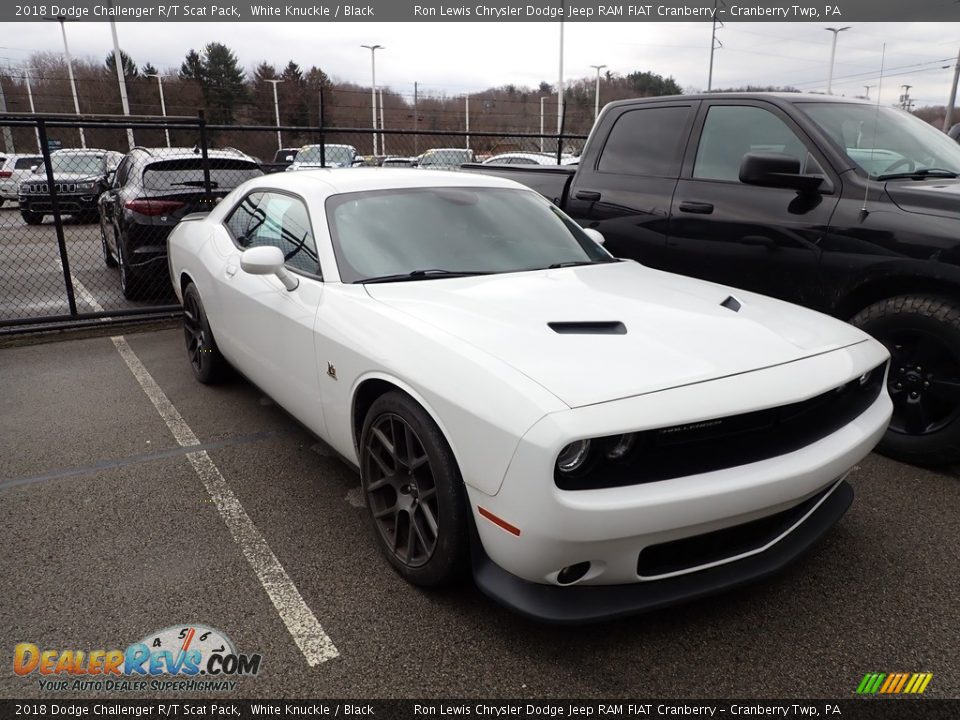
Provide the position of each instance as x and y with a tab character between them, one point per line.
776	170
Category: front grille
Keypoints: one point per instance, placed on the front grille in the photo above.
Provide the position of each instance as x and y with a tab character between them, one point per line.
720	443
67	187
699	550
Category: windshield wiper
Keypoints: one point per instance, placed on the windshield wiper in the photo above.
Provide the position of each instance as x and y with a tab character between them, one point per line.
575	263
919	174
423	275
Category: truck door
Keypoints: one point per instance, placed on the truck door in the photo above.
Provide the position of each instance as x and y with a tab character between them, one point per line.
624	188
757	238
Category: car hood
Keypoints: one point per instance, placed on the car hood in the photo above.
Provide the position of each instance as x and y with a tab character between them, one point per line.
677	331
64	177
934	196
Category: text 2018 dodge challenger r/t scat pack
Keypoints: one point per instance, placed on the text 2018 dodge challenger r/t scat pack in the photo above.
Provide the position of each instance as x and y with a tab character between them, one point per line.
592	437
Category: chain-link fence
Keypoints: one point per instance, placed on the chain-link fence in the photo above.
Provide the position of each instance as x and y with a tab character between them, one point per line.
87	205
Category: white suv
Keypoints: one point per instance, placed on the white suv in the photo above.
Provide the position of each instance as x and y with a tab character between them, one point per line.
13	169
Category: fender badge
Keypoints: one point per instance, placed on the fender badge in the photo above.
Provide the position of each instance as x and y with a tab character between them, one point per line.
331	370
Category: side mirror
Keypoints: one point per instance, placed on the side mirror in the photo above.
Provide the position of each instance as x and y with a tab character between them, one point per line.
777	170
595	235
267	260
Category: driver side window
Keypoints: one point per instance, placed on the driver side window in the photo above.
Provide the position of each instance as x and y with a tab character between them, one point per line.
732	131
267	218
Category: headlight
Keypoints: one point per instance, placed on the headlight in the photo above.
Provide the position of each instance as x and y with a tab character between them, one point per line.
620	446
573	456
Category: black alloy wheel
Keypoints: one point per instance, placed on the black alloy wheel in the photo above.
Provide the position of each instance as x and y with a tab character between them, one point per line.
202	352
922	333
414	492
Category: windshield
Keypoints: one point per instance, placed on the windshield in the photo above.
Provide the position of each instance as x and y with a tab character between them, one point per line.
445	157
454	229
80	164
883	141
335	154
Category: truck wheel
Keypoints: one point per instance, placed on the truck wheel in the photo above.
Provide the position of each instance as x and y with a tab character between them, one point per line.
414	492
31	218
922	333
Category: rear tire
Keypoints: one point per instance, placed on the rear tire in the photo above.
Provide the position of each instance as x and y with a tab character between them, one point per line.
207	363
31	218
922	333
132	282
414	491
108	259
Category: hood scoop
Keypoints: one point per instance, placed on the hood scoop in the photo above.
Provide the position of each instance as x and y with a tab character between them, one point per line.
601	327
731	303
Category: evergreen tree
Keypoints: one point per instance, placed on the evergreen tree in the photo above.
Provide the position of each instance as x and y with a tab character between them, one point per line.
149	69
192	67
129	66
223	82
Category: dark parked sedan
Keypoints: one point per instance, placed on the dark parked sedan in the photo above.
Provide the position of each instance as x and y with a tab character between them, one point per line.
151	191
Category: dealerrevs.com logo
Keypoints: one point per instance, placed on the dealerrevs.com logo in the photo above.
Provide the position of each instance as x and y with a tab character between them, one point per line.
187	657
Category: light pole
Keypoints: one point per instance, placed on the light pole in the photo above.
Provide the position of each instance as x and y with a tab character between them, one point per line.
833	54
867	87
560	90
33	111
373	88
118	63
383	140
541	121
596	102
73	83
276	110
163	105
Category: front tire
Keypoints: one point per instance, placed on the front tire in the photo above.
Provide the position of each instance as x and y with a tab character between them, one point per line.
207	363
414	492
31	218
922	333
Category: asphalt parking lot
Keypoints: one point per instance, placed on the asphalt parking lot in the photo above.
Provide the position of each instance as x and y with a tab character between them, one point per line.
31	275
111	532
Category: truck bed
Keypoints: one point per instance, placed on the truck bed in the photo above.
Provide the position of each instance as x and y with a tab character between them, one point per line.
553	182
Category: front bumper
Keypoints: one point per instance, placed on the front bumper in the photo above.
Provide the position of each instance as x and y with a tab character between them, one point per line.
67	204
586	603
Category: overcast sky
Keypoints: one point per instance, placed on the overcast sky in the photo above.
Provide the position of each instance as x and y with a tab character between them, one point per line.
468	57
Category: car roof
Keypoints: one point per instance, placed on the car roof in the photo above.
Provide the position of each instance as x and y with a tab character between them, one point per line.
784	97
332	181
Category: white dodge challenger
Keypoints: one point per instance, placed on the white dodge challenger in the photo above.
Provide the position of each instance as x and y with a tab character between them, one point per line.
591	437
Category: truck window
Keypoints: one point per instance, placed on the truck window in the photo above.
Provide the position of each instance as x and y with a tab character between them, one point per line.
648	141
732	131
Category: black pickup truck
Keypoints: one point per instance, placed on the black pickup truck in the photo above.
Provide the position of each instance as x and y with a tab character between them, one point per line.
843	206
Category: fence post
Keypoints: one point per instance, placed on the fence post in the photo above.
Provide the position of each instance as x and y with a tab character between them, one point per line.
57	219
203	154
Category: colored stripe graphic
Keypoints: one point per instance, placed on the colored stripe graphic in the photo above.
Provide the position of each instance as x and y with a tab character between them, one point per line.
894	683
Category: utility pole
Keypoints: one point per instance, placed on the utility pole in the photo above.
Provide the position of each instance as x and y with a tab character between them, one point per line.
715	43
118	63
276	110
541	121
466	99
948	118
416	121
7	133
833	55
905	100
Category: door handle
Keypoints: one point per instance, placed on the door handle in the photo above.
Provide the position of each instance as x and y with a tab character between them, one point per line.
759	241
590	195
230	270
698	208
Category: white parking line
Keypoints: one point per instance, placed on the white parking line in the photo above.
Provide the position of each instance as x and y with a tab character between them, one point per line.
302	624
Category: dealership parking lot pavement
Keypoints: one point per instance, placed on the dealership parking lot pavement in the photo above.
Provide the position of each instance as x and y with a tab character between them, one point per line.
112	530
